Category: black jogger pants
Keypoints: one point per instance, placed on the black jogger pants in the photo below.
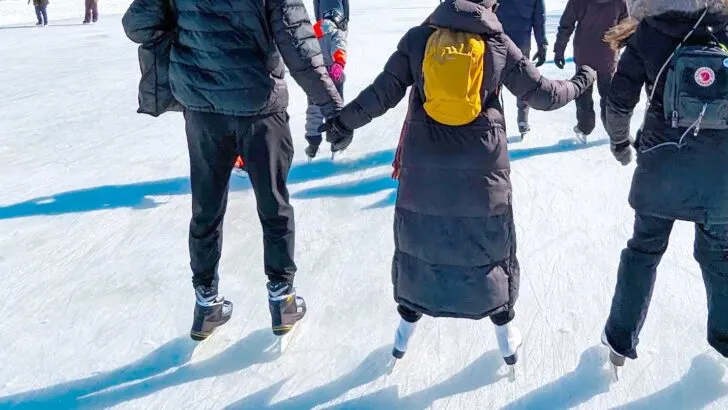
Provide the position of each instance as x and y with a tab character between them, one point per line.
638	272
214	141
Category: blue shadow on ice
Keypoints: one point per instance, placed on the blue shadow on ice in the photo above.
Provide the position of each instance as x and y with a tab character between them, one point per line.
589	379
480	373
167	366
138	195
382	183
700	386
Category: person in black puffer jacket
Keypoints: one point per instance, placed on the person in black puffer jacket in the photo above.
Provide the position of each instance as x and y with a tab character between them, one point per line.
227	67
682	172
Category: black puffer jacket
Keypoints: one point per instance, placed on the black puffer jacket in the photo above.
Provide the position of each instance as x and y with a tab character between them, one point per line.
688	183
455	244
226	60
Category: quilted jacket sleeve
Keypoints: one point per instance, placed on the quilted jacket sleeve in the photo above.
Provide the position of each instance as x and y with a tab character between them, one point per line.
525	81
147	20
301	52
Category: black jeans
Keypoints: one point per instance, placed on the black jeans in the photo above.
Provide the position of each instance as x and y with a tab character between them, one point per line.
41	14
585	116
498	319
214	141
638	271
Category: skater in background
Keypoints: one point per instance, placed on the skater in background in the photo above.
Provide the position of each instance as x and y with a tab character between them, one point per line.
227	70
331	29
591	19
682	171
519	18
40	11
455	243
92	11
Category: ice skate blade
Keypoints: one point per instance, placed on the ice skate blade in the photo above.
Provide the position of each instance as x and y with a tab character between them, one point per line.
283	341
391	364
512	373
615	372
615	362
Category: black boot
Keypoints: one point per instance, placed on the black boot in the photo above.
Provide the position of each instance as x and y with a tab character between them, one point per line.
311	151
286	309
523	128
314	141
211	312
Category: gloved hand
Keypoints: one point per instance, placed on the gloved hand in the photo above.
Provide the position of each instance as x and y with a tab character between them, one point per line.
336	72
622	150
337	134
540	56
559	61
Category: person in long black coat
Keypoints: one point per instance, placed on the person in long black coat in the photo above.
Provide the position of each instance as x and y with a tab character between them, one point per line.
454	235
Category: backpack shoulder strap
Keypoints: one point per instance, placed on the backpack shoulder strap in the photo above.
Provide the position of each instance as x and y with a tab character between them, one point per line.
667	63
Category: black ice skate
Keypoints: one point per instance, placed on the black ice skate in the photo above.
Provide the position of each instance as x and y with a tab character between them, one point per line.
286	309
523	129
616	360
580	136
311	151
211	312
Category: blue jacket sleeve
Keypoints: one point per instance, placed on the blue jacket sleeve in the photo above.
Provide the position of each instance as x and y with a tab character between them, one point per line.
539	23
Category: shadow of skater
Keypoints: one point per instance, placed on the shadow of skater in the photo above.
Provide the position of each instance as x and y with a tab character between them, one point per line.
381	183
481	373
247	352
371	368
138	195
170	355
590	379
699	387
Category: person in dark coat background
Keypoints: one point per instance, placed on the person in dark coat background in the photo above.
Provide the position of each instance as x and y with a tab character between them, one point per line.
519	18
227	70
687	182
455	243
331	29
41	12
591	19
92	11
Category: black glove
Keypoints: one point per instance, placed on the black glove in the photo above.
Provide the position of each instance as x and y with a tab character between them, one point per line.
337	134
622	150
540	56
560	62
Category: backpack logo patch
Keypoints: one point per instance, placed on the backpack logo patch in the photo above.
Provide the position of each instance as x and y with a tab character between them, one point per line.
704	76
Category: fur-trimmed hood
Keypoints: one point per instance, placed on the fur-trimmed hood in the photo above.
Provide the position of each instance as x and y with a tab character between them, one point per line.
639	9
642	9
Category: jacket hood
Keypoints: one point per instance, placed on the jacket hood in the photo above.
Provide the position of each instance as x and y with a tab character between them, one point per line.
465	15
639	9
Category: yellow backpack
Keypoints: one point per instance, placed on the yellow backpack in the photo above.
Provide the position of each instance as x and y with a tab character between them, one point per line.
453	74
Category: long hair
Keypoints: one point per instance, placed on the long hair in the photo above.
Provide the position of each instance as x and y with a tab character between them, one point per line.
617	36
